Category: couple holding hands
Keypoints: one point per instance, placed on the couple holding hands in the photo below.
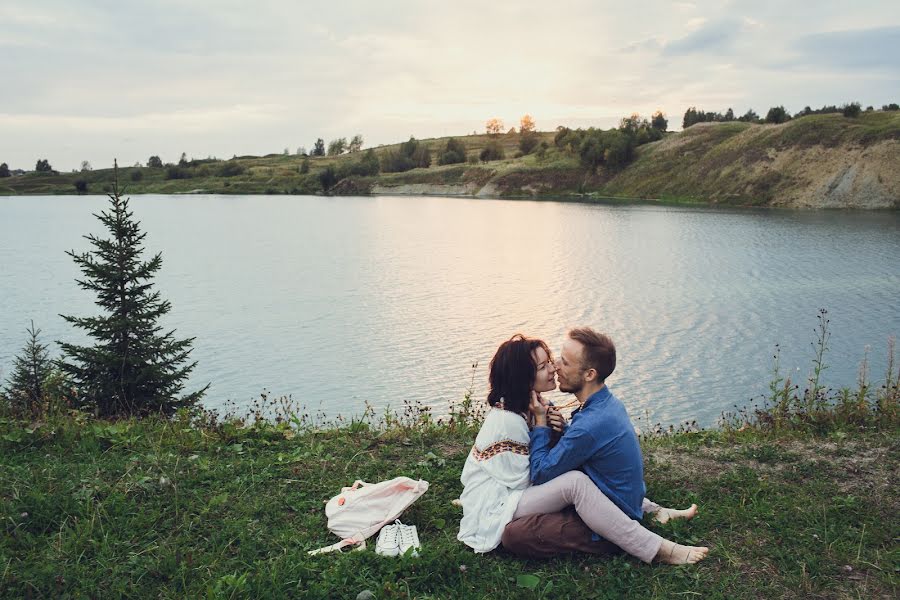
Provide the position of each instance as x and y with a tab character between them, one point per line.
542	486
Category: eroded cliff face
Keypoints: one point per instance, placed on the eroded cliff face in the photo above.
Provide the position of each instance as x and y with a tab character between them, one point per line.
757	165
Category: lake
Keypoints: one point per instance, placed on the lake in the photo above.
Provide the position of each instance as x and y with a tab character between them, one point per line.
344	301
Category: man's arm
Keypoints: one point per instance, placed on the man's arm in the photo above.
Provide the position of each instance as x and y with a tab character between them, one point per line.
572	450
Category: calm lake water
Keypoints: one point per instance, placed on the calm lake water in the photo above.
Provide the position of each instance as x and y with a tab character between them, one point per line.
342	301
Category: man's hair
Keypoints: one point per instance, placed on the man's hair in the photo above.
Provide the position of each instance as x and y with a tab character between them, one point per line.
513	372
599	351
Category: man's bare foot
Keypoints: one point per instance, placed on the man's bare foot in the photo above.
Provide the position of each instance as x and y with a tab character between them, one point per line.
671	553
664	514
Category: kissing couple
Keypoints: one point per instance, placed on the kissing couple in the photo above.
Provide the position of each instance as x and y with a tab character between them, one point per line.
543	486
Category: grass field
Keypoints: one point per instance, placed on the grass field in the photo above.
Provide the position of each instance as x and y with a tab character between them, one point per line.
171	509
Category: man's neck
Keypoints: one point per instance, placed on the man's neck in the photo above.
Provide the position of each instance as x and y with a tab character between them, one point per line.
588	390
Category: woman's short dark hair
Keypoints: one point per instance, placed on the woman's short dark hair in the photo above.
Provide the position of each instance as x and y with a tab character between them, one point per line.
513	372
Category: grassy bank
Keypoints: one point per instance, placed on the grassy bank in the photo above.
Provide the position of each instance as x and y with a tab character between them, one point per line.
815	161
175	509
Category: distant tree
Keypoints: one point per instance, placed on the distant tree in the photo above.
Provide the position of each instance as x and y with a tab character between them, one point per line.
749	117
183	161
891	106
777	115
155	162
493	151
43	166
659	121
336	147
526	124
512	131
301	151
86	166
494	126
319	147
356	143
304	166
618	148
25	387
870	108
729	115
286	151
132	368
528	138
852	109
4	170
454	152
81	186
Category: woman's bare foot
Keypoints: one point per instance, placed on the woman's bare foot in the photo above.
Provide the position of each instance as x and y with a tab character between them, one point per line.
671	553
664	514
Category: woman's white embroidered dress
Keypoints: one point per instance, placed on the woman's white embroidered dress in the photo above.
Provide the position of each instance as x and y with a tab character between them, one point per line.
494	477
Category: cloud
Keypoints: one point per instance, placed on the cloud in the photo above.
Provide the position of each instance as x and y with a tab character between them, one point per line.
852	49
709	37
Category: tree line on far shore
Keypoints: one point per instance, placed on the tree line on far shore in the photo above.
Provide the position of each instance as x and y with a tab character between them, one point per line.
776	114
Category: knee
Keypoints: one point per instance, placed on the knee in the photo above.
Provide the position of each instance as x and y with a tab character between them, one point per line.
575	483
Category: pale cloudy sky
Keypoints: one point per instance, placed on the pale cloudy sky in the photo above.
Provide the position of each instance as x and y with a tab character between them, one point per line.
94	79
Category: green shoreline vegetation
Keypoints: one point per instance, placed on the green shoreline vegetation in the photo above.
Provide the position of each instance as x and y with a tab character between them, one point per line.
809	161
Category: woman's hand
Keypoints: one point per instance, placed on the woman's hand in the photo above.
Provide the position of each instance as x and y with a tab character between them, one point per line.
538	409
555	420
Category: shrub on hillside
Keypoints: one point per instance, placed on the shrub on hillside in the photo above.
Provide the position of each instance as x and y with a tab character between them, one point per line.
136	175
493	151
174	172
410	155
777	115
231	169
81	186
891	106
454	152
528	141
851	110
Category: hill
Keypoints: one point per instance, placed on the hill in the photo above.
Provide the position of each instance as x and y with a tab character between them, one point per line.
817	161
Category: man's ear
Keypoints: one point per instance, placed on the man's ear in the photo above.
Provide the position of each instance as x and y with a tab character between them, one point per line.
590	375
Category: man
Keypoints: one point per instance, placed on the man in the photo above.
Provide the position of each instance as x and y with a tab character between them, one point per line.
601	442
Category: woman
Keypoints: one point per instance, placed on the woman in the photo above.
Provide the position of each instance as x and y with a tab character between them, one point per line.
496	475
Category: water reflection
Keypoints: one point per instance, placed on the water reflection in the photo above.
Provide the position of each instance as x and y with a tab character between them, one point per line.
340	301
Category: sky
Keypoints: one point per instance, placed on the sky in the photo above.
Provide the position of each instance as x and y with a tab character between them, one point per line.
97	80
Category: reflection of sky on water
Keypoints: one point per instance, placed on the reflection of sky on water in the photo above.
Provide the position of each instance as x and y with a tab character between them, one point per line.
341	301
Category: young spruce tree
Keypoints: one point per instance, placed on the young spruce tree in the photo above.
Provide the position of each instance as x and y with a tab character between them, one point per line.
25	387
133	368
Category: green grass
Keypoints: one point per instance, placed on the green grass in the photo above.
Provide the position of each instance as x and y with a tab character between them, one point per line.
166	509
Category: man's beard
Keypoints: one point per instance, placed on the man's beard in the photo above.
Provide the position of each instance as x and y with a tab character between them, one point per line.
572	387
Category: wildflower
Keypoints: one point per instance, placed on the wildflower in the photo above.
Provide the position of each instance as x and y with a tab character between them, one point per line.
24	515
463	568
164	481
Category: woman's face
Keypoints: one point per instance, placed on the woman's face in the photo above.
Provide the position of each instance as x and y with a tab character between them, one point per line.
545	377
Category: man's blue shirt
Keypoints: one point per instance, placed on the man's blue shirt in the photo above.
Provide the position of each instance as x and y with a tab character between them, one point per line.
600	440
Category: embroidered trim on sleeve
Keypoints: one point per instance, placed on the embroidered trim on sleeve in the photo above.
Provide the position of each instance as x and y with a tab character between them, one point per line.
498	447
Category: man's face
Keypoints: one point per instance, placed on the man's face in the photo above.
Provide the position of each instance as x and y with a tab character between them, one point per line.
569	371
